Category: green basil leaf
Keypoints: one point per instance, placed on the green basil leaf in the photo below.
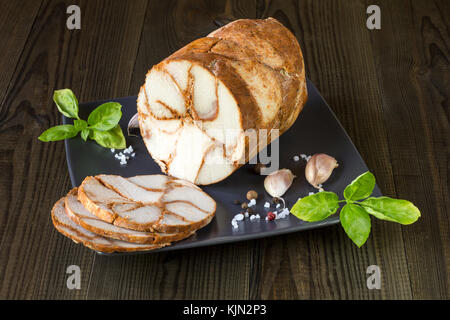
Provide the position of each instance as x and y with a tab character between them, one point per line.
360	188
80	124
105	116
316	207
113	139
56	133
395	210
356	223
85	134
66	102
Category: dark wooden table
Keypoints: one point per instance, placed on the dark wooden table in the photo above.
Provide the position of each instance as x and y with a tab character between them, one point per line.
388	87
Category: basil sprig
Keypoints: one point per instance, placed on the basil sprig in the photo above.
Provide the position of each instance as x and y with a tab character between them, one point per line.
355	215
102	124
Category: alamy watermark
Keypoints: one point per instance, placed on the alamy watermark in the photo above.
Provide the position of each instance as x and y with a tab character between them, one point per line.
74	279
374	20
74	20
374	280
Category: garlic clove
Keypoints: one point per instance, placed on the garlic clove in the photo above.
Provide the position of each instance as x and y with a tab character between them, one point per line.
319	168
278	182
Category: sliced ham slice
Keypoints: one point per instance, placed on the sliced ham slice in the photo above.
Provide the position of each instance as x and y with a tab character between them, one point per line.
97	199
147	203
130	190
198	106
78	234
80	215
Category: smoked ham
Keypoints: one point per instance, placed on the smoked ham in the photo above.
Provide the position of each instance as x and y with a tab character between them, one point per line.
78	234
147	203
199	108
80	215
109	213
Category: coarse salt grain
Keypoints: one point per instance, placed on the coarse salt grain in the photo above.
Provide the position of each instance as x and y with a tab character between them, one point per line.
257	216
296	158
125	155
285	212
239	217
311	193
252	218
246	214
267	205
278	205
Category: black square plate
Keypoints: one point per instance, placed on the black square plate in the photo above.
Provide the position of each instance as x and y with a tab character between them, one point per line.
317	130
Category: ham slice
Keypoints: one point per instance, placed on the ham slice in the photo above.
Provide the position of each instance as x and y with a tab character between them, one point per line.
147	203
198	108
78	234
109	213
81	216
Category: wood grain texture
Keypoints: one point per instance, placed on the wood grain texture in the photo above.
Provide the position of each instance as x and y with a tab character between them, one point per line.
388	87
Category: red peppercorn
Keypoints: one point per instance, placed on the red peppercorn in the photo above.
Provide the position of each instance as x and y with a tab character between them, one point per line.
270	216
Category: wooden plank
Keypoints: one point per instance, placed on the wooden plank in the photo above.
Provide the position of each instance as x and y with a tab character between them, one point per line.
96	62
414	83
15	25
387	88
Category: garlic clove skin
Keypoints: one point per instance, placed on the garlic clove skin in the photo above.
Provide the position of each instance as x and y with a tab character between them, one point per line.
278	182
319	168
